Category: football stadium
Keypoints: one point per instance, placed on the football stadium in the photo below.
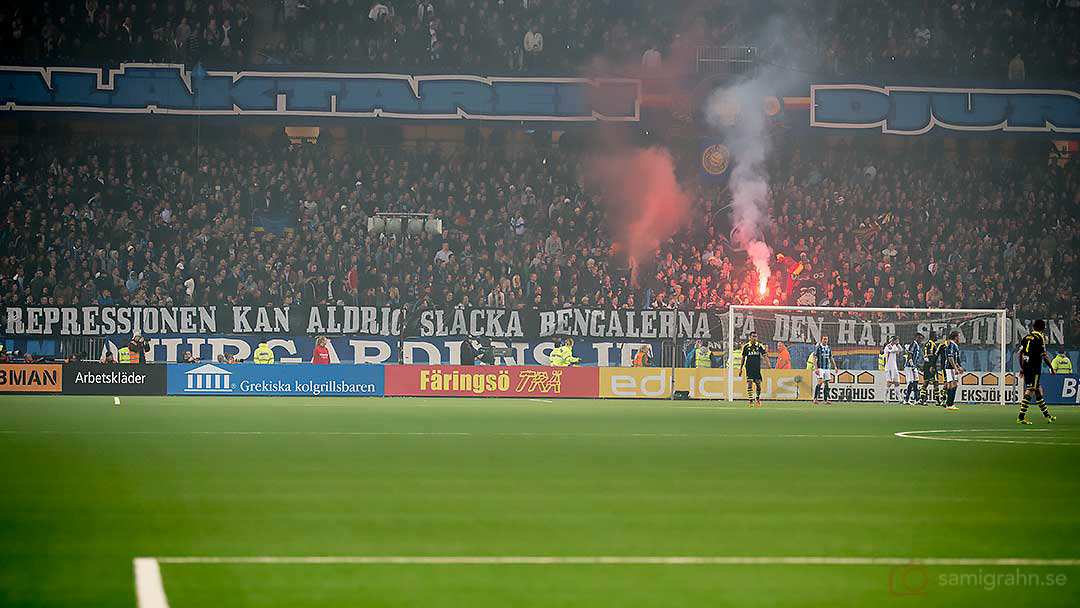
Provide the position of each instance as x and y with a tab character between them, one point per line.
539	303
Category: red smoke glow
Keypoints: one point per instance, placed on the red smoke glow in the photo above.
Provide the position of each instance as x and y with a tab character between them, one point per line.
644	203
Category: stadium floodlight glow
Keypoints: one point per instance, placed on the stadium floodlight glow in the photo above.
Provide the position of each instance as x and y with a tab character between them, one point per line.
861	332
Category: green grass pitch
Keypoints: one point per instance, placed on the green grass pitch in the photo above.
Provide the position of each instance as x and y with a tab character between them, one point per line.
88	486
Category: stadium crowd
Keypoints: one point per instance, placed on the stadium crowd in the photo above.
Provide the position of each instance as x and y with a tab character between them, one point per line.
103	33
1031	40
90	222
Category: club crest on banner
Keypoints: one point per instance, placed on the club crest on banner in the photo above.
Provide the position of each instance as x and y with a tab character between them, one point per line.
716	159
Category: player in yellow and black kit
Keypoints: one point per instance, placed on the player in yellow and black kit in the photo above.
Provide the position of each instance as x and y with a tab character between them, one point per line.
752	354
1032	353
931	351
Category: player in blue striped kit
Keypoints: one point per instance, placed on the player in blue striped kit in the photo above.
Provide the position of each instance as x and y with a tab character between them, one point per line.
823	370
953	369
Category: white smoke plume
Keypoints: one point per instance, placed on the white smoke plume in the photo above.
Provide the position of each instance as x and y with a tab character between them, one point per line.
738	111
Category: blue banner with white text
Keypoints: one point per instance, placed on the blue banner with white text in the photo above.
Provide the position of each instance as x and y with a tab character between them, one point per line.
173	89
377	350
1015	108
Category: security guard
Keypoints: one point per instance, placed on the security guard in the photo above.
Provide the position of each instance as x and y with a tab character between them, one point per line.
1061	364
558	358
736	358
263	354
643	358
881	362
702	358
123	355
716	353
811	361
568	352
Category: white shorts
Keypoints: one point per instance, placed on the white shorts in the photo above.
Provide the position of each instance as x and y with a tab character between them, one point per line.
822	375
951	375
893	376
912	374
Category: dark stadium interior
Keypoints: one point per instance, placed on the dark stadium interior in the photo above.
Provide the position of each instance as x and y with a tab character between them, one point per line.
875	37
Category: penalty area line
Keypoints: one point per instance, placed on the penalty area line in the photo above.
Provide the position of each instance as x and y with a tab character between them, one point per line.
934	435
627	560
149	589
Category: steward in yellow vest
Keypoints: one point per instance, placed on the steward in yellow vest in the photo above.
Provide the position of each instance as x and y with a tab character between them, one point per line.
568	353
263	354
702	357
1061	364
558	356
736	357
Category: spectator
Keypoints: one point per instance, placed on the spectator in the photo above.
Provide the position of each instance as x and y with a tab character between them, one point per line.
533	45
379	11
321	354
553	246
1016	68
651	61
443	255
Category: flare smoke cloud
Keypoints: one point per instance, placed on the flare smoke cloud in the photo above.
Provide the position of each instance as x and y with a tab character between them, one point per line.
644	202
738	111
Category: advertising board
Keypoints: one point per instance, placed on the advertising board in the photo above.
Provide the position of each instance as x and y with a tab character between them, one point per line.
491	381
250	379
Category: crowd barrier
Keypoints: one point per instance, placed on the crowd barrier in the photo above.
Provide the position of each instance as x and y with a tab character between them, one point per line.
248	379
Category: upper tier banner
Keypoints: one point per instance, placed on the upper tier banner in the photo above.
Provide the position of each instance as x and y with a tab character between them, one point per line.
918	110
141	88
792	327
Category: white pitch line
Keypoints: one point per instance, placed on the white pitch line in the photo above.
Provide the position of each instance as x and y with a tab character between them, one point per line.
734	408
440	434
149	589
542	400
628	560
923	435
